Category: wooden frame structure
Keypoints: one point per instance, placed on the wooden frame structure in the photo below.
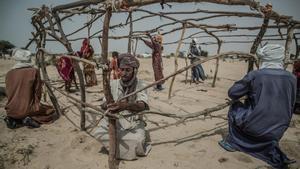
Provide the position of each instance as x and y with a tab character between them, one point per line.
48	25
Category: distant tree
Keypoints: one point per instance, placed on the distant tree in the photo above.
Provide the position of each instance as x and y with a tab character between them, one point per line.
204	53
5	47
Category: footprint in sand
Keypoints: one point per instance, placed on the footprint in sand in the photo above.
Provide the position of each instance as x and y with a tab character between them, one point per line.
243	158
78	140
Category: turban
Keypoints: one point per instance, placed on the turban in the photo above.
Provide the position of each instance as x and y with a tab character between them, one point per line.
194	40
271	53
127	59
21	55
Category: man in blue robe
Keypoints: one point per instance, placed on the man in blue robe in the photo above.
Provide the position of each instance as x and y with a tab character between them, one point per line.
257	125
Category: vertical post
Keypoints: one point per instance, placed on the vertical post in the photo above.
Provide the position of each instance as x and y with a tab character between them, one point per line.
187	72
40	62
217	65
258	40
297	47
288	42
112	161
175	59
136	43
130	32
67	44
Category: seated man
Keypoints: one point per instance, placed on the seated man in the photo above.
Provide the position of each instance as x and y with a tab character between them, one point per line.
256	126
131	134
24	91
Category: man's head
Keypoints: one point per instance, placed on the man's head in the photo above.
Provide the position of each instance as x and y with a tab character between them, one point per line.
21	55
271	53
194	41
115	54
128	66
85	42
271	56
158	38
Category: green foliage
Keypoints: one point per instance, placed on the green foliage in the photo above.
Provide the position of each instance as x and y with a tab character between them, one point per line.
5	46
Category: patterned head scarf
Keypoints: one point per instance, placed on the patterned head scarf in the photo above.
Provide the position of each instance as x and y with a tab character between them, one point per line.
158	38
271	55
126	59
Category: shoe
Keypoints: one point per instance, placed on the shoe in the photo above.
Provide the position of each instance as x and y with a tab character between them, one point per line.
10	123
159	88
289	161
30	123
226	146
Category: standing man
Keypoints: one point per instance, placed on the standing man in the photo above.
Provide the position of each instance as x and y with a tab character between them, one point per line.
114	65
194	55
157	64
256	126
131	134
24	91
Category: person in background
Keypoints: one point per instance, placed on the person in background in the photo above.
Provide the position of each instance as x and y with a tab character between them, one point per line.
114	66
66	71
24	91
157	64
257	125
87	52
194	55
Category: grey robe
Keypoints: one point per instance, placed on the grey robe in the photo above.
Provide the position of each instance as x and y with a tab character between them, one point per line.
131	134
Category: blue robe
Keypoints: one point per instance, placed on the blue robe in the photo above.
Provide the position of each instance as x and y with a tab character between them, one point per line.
257	125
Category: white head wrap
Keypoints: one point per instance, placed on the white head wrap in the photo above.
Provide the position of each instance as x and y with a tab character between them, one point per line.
23	58
271	56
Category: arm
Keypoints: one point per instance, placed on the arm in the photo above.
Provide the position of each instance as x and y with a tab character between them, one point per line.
149	44
124	105
140	104
240	88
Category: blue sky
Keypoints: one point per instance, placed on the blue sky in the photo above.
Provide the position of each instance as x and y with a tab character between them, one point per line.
16	24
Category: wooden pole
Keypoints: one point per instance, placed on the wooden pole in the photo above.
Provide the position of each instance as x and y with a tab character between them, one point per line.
258	40
217	65
112	160
297	47
176	60
40	61
288	42
78	71
187	72
130	32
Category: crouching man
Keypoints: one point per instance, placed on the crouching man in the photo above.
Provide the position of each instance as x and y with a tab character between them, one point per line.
256	126
131	134
24	91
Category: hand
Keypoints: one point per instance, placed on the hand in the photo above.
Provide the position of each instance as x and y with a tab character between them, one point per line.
117	107
147	33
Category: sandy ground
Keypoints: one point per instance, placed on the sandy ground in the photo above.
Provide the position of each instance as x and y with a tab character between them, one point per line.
191	145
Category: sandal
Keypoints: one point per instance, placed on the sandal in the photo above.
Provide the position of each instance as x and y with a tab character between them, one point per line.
226	146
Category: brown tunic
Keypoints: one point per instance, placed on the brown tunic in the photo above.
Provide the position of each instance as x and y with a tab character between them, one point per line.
156	59
24	90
